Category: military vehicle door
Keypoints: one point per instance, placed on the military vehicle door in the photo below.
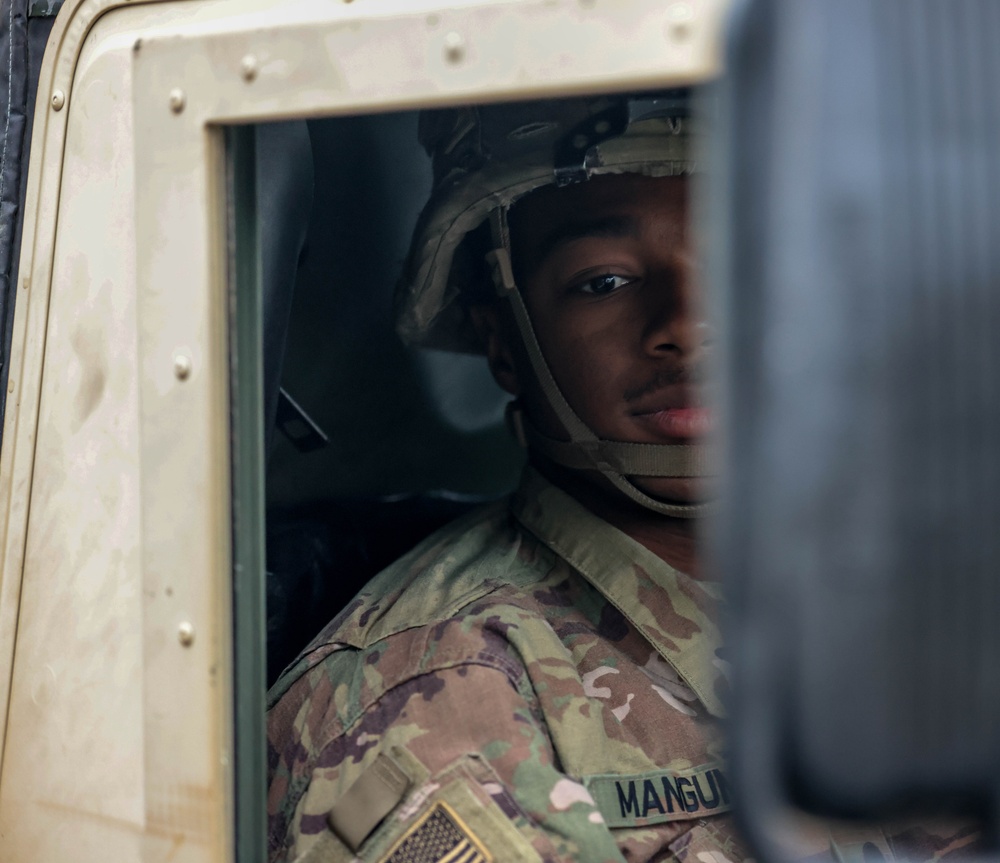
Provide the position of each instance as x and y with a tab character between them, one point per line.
159	224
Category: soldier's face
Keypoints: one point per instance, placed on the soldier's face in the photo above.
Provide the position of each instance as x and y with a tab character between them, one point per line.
608	274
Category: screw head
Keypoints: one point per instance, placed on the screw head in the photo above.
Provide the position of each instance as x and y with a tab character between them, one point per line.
681	20
177	100
454	47
185	634
58	100
249	67
182	367
681	12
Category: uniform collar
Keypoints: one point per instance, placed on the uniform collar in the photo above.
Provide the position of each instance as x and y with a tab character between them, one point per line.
672	610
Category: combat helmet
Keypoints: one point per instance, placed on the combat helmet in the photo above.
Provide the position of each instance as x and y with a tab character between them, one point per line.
484	159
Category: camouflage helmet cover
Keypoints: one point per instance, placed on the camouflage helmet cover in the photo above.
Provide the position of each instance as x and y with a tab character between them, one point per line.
486	157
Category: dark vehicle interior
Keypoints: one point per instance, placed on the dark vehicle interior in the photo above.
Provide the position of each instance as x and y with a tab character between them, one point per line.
372	445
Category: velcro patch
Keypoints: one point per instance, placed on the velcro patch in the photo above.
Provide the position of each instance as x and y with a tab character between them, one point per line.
653	798
374	794
439	836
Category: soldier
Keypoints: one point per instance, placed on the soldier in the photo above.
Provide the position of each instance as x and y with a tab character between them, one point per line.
541	679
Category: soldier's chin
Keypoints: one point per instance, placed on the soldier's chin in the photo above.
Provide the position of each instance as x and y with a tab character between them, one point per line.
677	489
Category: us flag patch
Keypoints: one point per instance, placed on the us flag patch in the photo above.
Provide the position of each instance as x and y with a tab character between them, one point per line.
439	836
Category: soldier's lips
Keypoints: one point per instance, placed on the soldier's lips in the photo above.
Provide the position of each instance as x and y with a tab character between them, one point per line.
681	422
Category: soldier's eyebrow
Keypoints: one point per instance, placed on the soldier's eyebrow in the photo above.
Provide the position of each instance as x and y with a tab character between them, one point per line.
581	229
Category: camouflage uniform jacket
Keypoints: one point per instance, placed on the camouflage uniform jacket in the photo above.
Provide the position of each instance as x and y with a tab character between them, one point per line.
529	683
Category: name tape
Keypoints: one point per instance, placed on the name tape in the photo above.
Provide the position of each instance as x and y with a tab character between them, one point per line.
651	798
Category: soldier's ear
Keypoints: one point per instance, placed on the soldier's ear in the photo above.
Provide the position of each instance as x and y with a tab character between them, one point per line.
494	335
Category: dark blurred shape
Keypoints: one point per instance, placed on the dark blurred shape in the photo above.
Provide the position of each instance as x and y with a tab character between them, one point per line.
397	419
858	224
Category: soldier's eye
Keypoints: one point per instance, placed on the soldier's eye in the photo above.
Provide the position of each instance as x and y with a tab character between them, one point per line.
603	284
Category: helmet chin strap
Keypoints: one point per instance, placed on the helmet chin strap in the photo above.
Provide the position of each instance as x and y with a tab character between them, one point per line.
615	460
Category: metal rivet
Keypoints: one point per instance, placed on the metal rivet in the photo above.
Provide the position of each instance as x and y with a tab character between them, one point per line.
185	634
454	47
182	367
58	100
681	16
248	66
177	100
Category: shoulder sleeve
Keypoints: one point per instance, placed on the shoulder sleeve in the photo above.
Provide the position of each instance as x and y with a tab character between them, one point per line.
451	764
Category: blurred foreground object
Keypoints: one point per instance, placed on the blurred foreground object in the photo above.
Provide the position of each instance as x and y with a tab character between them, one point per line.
858	209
